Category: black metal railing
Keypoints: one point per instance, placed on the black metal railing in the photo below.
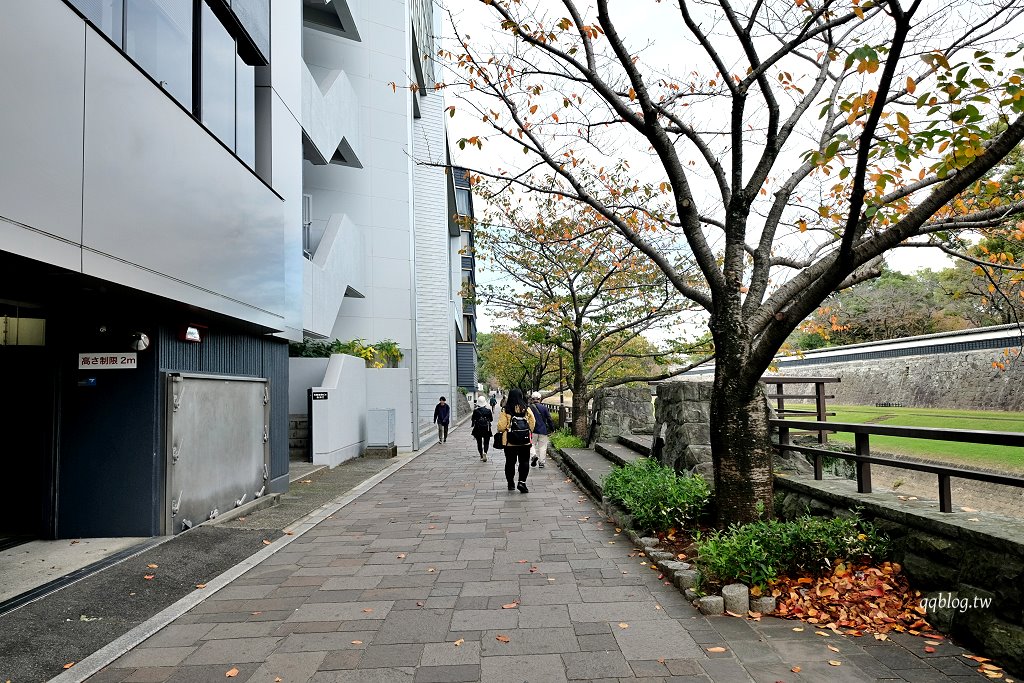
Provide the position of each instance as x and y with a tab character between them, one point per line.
863	458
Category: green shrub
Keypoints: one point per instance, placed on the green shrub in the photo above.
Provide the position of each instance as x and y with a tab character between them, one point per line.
656	497
385	353
564	438
760	552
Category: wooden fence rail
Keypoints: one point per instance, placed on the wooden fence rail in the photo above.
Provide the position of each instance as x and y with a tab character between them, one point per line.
863	458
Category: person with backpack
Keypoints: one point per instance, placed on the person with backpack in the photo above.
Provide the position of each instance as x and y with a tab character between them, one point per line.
545	425
516	424
481	421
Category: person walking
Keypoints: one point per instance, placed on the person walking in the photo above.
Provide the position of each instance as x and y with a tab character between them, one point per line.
442	413
545	425
516	424
481	421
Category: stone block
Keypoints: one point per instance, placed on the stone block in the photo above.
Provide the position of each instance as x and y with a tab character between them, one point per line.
690	594
704	390
764	604
686	578
659	556
697	433
381	451
648	541
673	566
696	412
697	455
711	605
736	597
1000	573
929	575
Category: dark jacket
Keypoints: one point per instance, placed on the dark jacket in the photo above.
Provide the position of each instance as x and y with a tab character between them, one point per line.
543	418
481	421
442	412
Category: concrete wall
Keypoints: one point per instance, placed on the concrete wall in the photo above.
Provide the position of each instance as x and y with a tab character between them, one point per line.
303	373
338	427
339	420
389	388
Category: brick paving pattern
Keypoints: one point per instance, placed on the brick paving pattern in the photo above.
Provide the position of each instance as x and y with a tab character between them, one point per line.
407	583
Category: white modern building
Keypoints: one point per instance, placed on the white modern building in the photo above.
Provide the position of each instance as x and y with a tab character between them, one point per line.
381	242
186	186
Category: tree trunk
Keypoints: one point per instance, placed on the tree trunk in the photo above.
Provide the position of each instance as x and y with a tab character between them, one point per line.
579	412
740	434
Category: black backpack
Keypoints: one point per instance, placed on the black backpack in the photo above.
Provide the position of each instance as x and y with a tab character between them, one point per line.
518	431
481	424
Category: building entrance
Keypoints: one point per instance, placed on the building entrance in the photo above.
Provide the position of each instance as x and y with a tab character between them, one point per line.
26	442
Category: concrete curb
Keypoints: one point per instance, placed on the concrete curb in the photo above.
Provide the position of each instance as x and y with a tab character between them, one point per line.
110	652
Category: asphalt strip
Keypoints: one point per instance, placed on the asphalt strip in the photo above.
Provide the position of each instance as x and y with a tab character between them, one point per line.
93	663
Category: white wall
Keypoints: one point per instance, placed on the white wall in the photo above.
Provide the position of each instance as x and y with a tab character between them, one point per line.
303	373
339	421
435	342
389	388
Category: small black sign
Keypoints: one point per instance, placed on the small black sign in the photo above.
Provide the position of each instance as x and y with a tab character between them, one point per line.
319	395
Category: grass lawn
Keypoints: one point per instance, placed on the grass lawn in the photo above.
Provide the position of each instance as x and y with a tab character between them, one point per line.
969	455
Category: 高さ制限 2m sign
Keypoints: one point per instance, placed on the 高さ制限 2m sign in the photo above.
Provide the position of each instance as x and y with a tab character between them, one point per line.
107	361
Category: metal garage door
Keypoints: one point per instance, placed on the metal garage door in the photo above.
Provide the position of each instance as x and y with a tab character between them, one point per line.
218	445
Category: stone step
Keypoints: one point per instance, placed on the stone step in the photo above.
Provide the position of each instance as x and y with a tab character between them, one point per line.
589	467
639	443
617	453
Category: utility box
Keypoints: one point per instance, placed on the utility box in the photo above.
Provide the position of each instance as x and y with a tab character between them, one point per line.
380	433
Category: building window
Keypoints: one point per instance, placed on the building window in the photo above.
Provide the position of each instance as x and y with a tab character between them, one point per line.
218	77
166	37
107	15
466	248
467	321
463	202
158	35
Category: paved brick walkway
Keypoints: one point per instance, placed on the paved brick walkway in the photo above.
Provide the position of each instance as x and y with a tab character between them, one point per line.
407	583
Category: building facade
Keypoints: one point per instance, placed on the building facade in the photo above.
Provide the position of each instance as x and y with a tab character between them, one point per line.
185	186
381	242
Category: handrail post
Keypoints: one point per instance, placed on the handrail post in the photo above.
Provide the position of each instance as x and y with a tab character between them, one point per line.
945	494
819	401
863	468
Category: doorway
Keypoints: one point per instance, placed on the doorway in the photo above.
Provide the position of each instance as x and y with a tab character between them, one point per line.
27	410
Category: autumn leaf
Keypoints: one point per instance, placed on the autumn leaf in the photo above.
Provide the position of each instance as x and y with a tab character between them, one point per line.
623	624
152	566
357	642
717	648
200	585
459	642
502	639
66	666
149	577
231	673
367	610
511	605
833	648
401	556
929	649
266	542
795	669
834	662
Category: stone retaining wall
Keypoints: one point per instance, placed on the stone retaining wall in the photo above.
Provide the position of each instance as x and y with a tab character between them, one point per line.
623	410
964	380
970	557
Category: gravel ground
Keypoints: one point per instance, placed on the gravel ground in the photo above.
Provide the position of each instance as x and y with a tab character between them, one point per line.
37	640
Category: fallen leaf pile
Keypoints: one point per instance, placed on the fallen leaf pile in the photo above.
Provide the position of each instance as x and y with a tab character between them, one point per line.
856	599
